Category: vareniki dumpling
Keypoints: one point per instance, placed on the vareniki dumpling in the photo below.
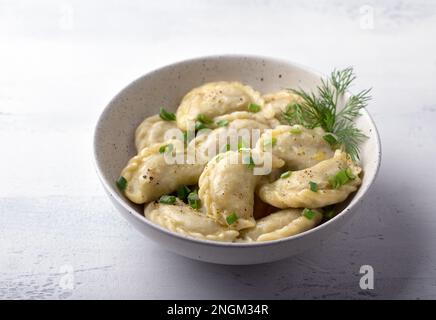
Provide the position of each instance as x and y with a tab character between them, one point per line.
237	132
295	190
298	146
181	218
277	103
150	175
281	224
226	187
214	99
152	130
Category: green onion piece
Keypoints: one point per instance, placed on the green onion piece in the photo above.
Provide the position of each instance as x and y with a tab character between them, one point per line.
350	174
194	200
167	199
241	145
183	192
249	162
295	131
121	183
167	116
166	148
313	186
332	141
185	137
252	107
199	126
309	214
329	214
231	218
286	174
270	142
204	119
222	123
225	148
339	179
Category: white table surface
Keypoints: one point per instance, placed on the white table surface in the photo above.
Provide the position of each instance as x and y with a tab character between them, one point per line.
61	62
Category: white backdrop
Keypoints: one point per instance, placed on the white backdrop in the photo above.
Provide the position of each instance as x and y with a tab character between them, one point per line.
61	62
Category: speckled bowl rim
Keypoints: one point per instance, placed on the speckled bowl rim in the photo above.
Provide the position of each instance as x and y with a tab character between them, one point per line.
109	185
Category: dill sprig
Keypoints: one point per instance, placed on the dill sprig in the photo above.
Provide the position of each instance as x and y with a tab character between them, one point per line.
321	109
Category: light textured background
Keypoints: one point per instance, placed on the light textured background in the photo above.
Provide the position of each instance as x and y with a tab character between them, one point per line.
61	62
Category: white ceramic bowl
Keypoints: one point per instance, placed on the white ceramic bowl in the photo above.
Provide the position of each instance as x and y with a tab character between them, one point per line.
114	146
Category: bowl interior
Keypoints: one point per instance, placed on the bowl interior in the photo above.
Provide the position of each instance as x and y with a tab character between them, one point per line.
165	87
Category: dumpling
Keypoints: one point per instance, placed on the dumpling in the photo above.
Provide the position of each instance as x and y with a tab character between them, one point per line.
298	146
253	116
222	139
281	224
150	175
295	192
276	103
152	130
226	189
214	99
181	218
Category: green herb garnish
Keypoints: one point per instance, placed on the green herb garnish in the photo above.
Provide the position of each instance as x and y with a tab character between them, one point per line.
322	110
286	174
230	219
183	192
121	183
329	214
295	131
331	140
167	199
204	119
225	148
248	161
313	186
340	178
222	123
241	145
166	148
167	116
252	107
194	200
199	126
309	214
270	142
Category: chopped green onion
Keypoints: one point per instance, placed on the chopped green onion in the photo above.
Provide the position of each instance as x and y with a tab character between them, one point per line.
194	200
167	116
286	174
329	214
313	186
309	214
241	145
231	218
204	119
166	148
222	123
270	142
199	126
225	148
249	162
295	131
121	183
252	107
183	192
167	199
340	178
332	141
350	174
